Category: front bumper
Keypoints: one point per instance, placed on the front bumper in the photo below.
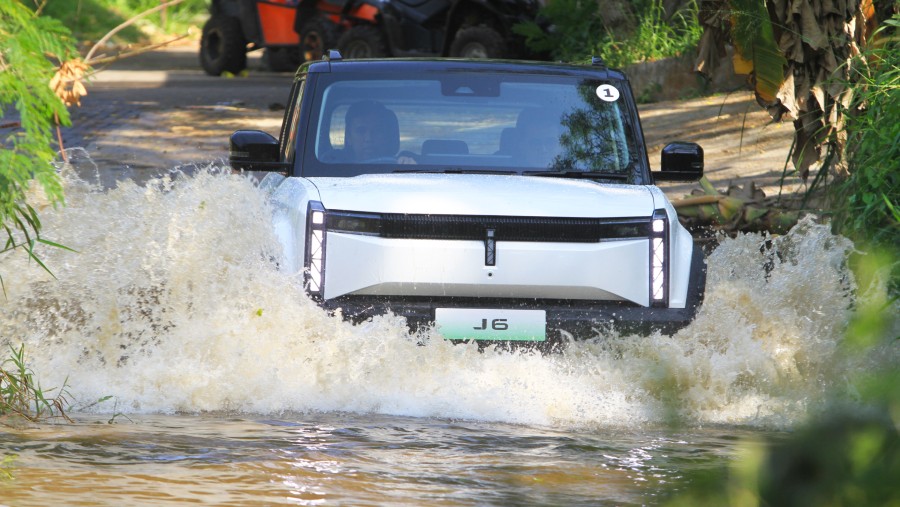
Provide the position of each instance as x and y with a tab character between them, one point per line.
582	319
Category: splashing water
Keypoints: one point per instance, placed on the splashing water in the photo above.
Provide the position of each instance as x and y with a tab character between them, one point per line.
172	304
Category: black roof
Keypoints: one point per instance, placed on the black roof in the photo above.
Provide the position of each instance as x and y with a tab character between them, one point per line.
459	65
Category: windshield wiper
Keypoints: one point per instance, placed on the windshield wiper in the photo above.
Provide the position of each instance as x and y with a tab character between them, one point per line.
578	174
454	171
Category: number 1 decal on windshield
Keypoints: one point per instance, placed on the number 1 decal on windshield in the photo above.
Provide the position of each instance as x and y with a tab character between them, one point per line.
608	93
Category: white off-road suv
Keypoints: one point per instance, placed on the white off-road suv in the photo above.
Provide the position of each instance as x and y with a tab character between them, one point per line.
495	200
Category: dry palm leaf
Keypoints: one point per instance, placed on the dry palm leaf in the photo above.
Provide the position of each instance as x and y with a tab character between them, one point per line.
68	83
799	54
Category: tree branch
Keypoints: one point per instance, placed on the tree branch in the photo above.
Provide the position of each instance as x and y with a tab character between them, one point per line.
125	25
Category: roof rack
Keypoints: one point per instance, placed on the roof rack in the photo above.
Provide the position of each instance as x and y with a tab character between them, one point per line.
332	55
596	61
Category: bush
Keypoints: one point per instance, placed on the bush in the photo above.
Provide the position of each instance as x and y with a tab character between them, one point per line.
867	204
655	38
579	32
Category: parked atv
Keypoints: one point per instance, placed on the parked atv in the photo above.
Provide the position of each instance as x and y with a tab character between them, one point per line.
294	31
460	28
289	31
320	23
237	26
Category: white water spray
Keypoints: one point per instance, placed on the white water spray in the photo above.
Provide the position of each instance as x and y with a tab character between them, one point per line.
172	304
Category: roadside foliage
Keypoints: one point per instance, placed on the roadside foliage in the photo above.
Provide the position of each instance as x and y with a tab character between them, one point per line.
622	32
801	57
32	49
867	204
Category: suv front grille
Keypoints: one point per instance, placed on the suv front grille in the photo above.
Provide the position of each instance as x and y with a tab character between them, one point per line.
469	227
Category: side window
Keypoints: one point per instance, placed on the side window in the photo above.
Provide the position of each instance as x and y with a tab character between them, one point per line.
289	136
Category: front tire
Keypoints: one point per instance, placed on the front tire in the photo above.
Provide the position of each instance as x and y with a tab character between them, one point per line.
222	46
479	41
364	41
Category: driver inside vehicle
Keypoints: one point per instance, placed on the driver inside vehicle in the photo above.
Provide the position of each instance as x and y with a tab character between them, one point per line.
537	137
371	134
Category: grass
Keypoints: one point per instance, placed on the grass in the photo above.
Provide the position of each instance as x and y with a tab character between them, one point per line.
580	32
21	396
654	38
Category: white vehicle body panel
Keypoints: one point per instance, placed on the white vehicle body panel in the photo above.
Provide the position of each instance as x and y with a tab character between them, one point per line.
613	270
456	268
484	194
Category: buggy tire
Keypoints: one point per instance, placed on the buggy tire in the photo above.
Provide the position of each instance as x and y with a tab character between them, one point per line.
317	36
479	41
363	41
223	47
281	59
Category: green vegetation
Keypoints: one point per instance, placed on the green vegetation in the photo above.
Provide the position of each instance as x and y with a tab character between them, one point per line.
22	396
643	32
848	453
655	37
843	461
24	75
32	49
90	20
867	204
754	39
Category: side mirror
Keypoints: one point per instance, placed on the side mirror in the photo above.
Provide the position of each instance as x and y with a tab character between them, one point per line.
681	162
254	150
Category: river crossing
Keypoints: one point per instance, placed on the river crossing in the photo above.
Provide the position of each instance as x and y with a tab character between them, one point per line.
199	374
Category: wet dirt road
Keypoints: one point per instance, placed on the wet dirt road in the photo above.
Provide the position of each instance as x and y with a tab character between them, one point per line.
157	111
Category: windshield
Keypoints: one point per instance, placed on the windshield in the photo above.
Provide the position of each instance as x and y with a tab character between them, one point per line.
468	122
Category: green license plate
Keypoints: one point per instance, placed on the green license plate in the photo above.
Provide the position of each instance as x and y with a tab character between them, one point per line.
491	324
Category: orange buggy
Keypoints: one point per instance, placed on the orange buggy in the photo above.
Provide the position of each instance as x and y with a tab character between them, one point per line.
294	31
276	26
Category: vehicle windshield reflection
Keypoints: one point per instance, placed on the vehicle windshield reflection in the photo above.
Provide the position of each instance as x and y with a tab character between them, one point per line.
436	122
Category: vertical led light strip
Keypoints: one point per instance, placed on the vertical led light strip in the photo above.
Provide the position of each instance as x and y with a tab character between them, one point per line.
314	259
659	259
490	248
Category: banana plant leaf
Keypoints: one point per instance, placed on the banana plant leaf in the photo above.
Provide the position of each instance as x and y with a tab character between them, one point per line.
755	47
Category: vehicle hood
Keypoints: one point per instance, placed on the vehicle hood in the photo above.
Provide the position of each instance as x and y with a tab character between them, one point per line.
484	194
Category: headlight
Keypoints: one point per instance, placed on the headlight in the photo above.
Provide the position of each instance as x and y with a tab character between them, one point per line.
314	259
354	223
659	259
321	222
